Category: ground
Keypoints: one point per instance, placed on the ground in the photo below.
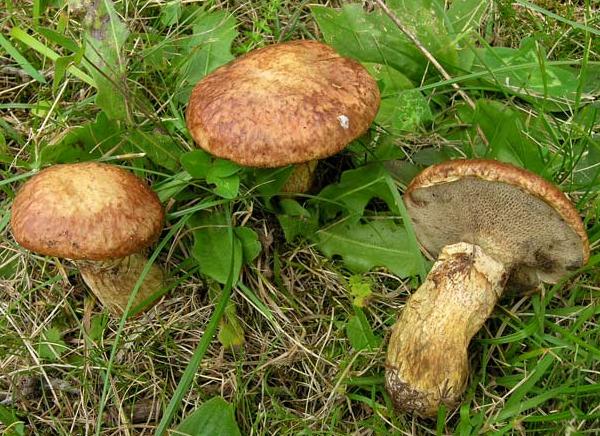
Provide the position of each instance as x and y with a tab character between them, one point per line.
301	347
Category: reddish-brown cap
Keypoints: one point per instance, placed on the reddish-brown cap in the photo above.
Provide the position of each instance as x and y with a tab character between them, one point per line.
516	216
86	211
283	104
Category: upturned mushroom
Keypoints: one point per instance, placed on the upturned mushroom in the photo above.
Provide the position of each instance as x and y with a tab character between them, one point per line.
288	103
98	215
491	226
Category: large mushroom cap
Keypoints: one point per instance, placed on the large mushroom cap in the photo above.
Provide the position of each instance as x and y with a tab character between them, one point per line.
283	104
516	216
86	211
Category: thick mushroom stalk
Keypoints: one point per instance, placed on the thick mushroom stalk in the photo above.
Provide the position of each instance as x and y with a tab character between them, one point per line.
492	225
113	281
427	362
301	178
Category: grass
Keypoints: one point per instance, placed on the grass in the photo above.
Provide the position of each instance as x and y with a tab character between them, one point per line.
300	369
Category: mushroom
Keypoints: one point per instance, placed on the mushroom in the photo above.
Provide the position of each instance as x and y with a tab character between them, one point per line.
288	103
492	226
98	215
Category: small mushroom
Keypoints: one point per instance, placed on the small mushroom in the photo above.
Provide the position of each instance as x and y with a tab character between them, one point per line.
98	215
288	103
491	226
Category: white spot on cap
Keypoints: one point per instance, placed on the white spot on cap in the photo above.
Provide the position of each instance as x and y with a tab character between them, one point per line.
344	121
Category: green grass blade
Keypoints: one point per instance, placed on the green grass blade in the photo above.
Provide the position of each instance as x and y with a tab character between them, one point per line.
539	370
24	63
211	329
412	239
547	13
33	43
566	334
113	352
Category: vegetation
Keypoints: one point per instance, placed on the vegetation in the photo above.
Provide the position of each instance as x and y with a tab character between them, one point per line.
282	305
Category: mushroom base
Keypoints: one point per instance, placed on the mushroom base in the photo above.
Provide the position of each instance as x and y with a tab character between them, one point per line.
427	362
112	281
301	178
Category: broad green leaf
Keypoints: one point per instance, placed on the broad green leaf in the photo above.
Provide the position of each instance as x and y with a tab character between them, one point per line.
9	418
402	170
269	181
97	325
402	107
377	243
369	37
213	249
507	136
219	172
86	142
213	418
231	332
360	333
161	149
206	49
171	13
51	346
41	108
5	154
105	38
223	168
197	163
59	39
425	18
356	335
223	174
62	65
354	191
586	174
295	220
172	186
226	187
250	244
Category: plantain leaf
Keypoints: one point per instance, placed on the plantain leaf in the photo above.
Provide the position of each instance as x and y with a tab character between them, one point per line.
213	248
214	418
369	37
377	243
209	47
355	190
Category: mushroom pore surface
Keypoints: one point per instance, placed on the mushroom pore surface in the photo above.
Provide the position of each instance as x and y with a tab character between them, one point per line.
522	231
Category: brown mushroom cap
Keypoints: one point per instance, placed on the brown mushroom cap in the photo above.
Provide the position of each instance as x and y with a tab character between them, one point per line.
516	216
86	211
283	104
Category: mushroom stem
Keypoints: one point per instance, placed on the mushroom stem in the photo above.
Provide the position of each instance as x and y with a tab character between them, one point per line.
301	178
112	281
427	361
